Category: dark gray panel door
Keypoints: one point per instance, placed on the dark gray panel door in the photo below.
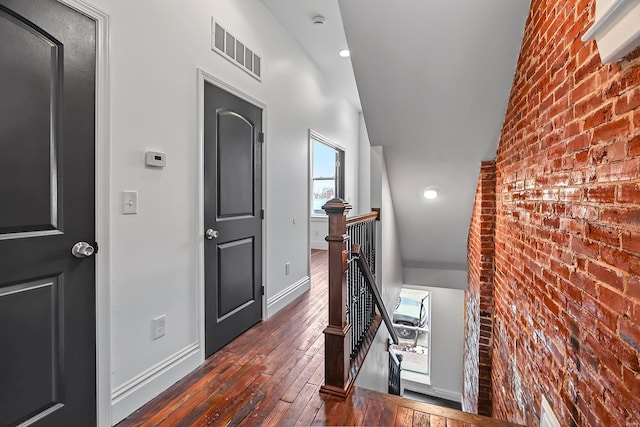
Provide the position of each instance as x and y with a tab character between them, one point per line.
232	220
47	138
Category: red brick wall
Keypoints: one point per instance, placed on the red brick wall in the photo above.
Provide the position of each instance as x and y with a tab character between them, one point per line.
567	236
479	296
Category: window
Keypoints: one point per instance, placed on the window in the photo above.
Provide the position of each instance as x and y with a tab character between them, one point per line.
327	174
412	322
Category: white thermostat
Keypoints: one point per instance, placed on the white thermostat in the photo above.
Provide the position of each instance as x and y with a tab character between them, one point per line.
155	159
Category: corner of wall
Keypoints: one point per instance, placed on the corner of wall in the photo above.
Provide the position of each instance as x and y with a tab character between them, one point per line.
287	295
478	335
133	394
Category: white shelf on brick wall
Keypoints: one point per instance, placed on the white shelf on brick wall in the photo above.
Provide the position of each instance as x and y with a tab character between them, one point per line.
617	28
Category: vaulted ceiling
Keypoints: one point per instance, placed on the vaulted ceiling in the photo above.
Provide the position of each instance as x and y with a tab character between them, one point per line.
433	79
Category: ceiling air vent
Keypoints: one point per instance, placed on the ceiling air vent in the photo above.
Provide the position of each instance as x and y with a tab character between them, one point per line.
227	45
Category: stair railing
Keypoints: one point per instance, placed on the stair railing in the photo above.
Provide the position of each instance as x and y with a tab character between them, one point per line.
353	296
395	369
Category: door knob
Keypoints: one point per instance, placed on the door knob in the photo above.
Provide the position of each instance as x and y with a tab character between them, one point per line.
82	250
211	234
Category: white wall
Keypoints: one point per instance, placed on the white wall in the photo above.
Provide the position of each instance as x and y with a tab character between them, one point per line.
447	328
389	263
364	178
319	230
155	50
454	279
374	372
447	341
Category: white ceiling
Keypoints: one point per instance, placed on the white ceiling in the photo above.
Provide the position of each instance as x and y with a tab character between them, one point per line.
321	42
434	78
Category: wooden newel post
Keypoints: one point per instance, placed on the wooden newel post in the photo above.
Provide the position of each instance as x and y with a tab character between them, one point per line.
337	380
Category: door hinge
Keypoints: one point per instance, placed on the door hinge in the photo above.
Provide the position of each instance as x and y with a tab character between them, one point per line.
261	213
261	290
260	137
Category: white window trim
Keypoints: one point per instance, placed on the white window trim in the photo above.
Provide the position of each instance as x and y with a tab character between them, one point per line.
616	29
313	135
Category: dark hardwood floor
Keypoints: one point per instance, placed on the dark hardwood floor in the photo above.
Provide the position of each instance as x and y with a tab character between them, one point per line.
271	375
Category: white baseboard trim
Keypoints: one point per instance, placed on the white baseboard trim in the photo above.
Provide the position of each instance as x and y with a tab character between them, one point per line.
432	391
320	244
284	297
447	394
140	389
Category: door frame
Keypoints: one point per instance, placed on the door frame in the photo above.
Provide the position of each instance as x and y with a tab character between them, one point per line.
205	77
102	209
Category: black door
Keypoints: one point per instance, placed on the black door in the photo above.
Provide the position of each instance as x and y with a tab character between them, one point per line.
47	137
232	216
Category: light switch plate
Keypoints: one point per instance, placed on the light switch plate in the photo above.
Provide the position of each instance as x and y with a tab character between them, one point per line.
129	202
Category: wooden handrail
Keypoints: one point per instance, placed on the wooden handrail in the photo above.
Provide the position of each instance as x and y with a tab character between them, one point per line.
356	252
337	378
353	297
359	219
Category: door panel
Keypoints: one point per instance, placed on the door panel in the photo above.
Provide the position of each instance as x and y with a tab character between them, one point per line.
236	276
235	178
233	202
36	374
47	142
29	130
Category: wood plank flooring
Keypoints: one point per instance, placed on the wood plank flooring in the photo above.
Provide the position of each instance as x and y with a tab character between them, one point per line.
270	376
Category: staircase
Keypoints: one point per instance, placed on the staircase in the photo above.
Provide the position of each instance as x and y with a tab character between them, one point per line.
272	374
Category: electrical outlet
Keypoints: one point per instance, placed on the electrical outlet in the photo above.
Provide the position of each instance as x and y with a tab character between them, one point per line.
287	268
159	326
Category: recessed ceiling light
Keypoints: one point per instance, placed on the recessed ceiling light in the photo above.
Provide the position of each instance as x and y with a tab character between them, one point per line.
344	53
430	194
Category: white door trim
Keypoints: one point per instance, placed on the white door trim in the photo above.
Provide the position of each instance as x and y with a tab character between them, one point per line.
203	77
102	207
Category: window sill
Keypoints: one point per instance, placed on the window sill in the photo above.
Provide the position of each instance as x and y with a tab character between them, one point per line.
616	28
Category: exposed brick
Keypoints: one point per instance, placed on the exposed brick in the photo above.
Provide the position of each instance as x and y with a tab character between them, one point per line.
599	117
611	130
566	288
600	194
606	235
634	144
618	171
628	102
477	384
631	380
621	259
629	193
585	248
631	241
633	287
630	333
614	300
587	87
606	275
623	216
